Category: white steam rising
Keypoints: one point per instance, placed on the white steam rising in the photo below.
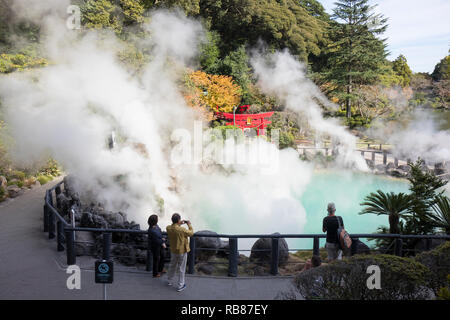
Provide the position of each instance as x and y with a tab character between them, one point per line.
282	75
421	137
86	94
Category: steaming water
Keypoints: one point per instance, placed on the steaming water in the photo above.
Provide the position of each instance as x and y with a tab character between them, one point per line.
346	189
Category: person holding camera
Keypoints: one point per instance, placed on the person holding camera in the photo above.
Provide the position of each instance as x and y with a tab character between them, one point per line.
179	248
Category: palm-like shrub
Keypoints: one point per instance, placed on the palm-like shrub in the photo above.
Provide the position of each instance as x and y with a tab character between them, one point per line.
440	216
391	204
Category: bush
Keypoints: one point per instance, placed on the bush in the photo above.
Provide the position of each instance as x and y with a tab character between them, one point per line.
287	140
18	174
401	278
444	292
438	261
50	169
13	62
43	179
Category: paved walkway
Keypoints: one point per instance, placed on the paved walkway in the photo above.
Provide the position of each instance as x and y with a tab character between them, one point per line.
31	268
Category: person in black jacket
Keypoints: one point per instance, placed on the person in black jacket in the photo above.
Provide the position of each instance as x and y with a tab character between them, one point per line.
330	226
157	244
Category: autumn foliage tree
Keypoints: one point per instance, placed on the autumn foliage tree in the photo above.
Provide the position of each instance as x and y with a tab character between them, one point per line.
212	92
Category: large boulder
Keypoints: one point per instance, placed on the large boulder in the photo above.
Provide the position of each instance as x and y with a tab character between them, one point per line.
390	165
70	185
370	163
262	251
3	183
3	188
115	219
63	204
224	250
141	256
206	268
14	191
90	220
361	247
398	173
212	245
380	169
125	254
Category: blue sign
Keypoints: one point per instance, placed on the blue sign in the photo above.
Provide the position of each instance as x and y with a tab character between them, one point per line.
104	271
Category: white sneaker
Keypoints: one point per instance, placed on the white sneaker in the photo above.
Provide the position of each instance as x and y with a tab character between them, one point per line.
169	283
182	288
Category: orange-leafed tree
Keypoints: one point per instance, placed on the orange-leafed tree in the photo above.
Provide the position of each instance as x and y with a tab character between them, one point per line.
212	92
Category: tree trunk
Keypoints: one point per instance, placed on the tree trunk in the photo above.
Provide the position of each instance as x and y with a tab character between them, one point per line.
393	224
347	100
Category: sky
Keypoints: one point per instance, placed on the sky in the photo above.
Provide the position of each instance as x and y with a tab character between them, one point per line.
418	29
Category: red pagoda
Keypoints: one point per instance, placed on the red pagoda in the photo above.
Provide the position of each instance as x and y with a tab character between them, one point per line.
243	120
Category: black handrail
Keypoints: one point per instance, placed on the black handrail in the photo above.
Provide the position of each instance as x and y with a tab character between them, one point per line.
65	234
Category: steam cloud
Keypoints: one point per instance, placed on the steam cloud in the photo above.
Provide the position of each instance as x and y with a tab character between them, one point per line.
285	77
421	138
86	94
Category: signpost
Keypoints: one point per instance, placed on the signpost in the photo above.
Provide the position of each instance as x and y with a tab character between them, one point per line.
104	273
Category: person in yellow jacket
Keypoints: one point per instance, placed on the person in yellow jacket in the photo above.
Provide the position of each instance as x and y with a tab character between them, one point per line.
179	248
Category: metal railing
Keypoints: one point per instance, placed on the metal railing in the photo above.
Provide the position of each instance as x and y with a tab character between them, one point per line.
65	236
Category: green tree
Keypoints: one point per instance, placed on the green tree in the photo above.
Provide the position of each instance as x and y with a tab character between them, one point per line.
210	53
424	187
314	8
133	11
401	68
112	14
356	54
100	14
388	77
391	204
235	64
442	70
190	7
279	24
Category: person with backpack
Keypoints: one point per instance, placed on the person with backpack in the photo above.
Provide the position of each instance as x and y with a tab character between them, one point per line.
331	224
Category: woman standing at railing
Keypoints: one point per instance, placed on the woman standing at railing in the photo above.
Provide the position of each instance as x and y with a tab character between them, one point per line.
157	244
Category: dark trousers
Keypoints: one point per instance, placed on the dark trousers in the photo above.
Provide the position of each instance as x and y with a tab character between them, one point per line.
158	259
